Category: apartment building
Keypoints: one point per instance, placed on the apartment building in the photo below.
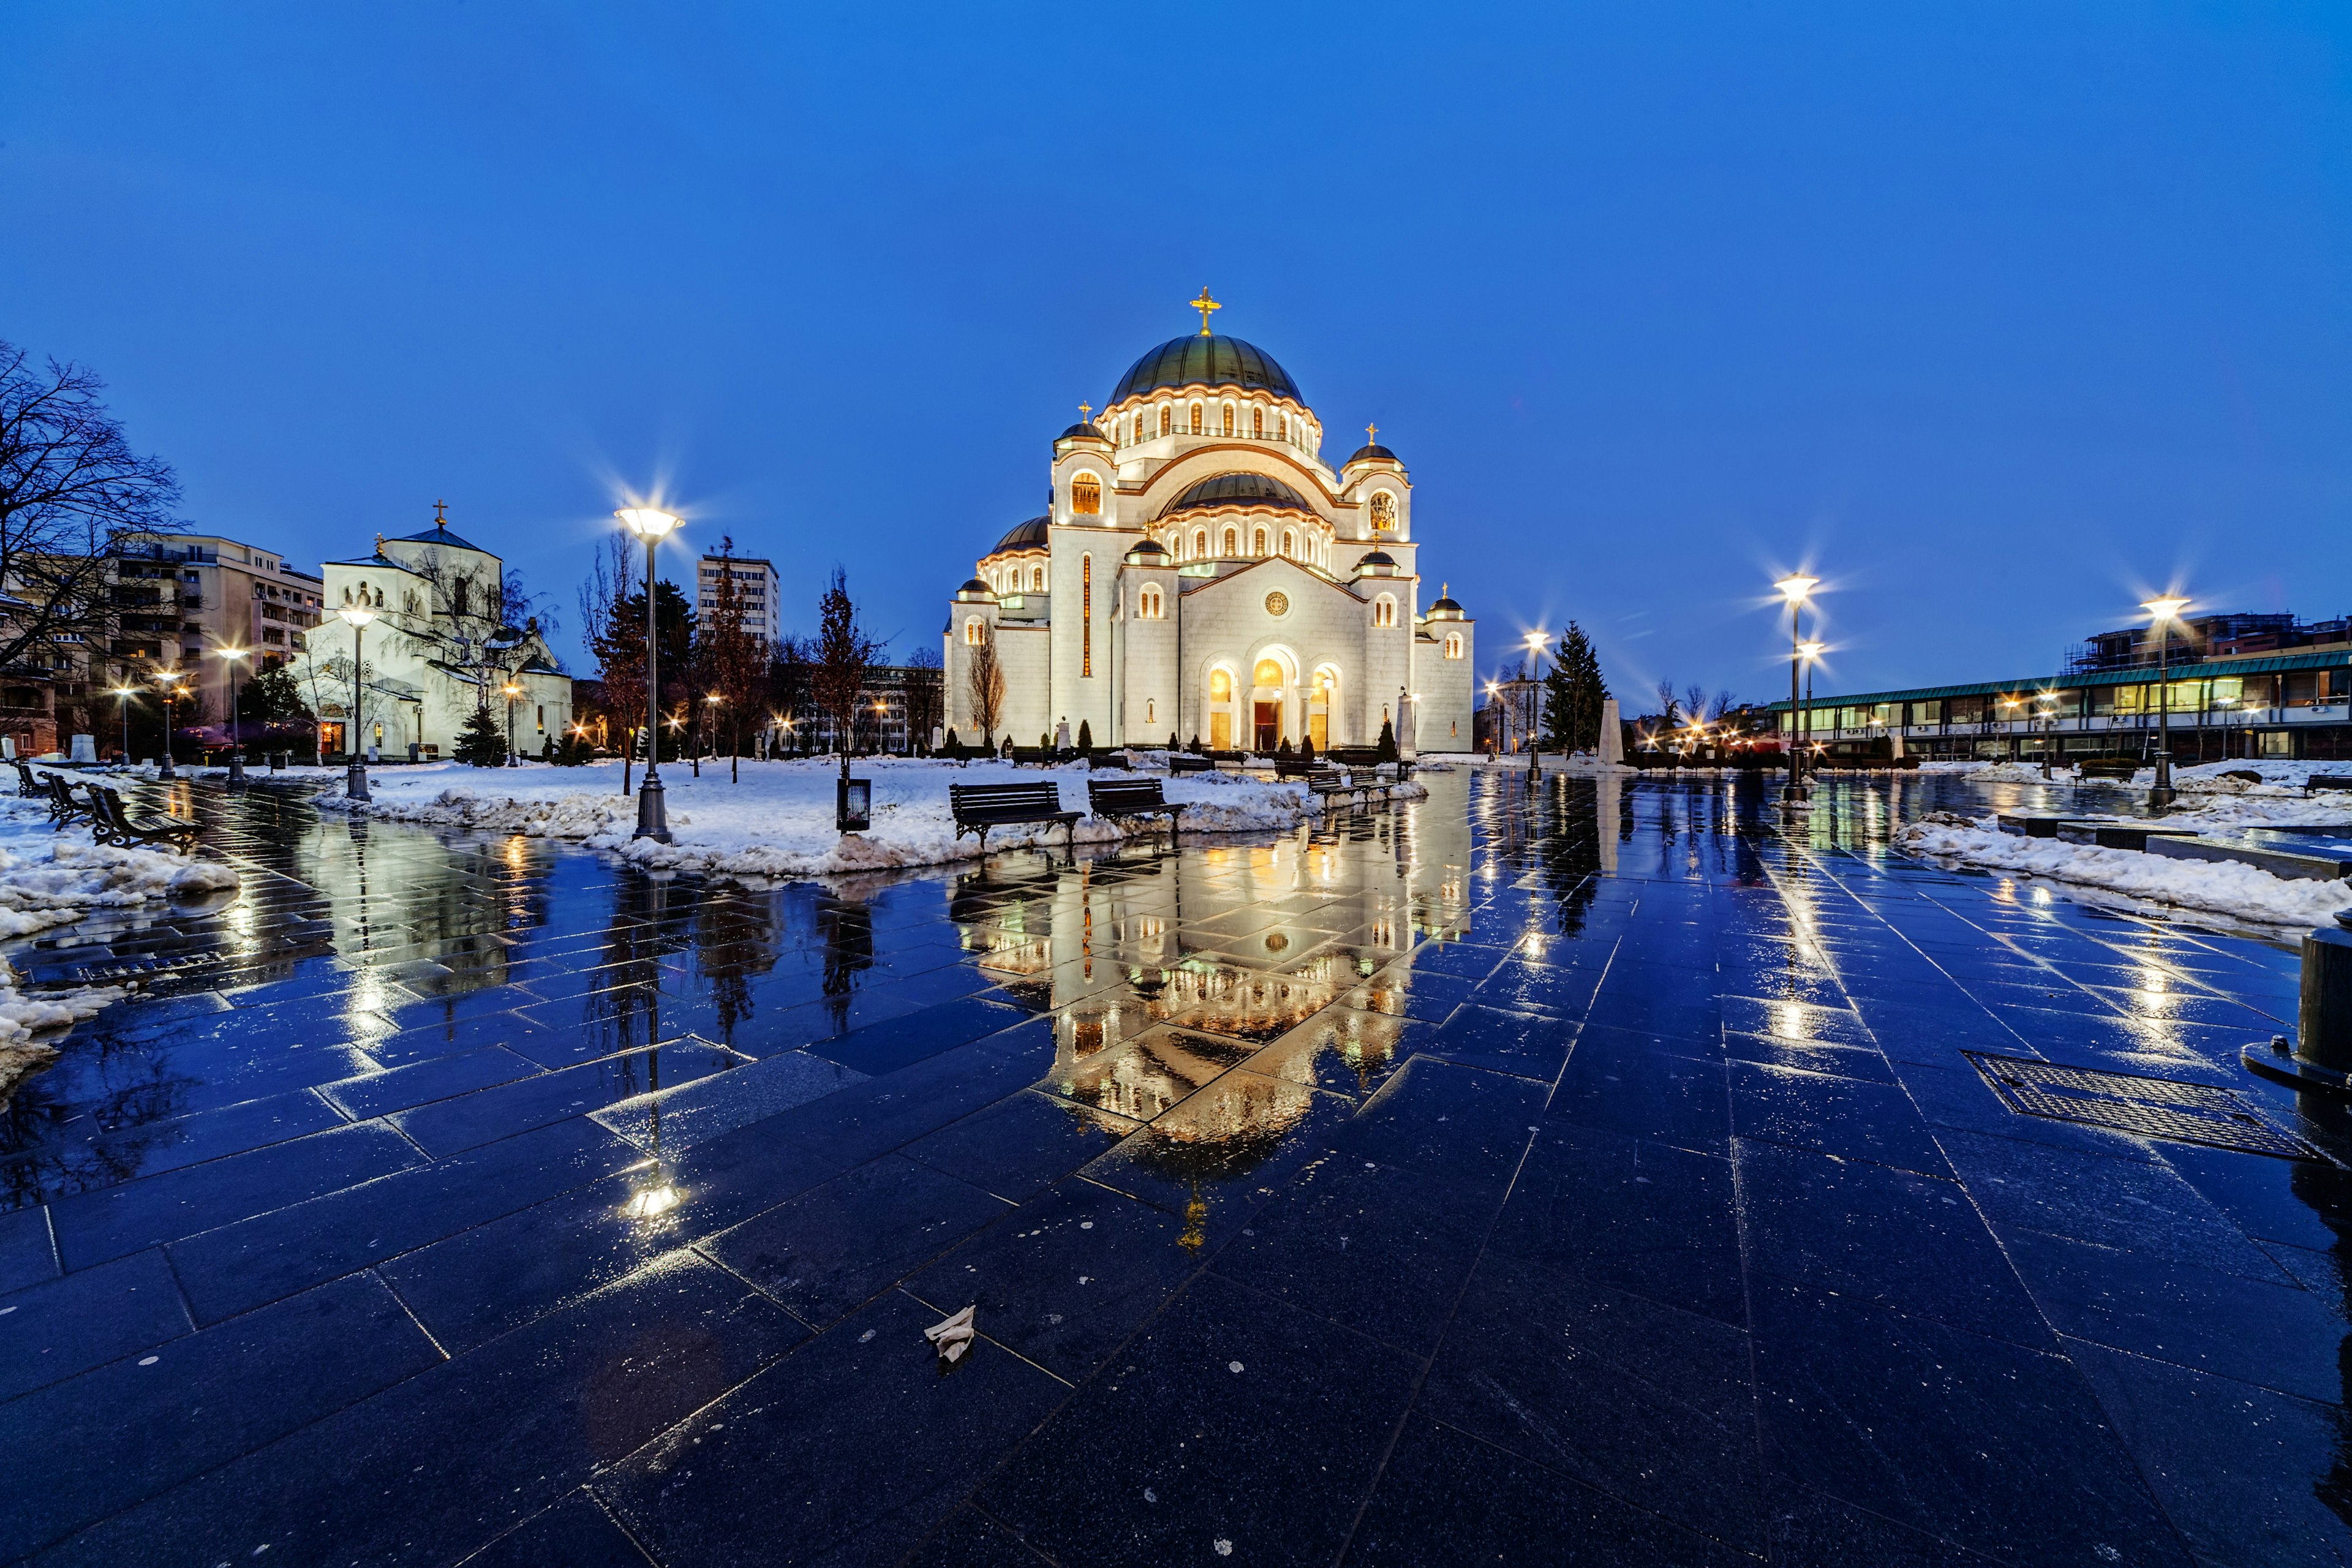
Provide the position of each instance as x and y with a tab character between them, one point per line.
179	598
757	587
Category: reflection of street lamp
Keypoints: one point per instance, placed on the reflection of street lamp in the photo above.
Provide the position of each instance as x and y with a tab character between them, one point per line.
355	784
230	656
169	679
2162	611
1793	588
512	692
653	526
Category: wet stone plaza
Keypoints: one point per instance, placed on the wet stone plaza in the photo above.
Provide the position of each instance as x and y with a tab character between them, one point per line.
1606	1173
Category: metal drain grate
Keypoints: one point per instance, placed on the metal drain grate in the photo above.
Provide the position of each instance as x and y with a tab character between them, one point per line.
2127	1102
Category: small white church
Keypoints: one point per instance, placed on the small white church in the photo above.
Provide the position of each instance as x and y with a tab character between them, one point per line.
1202	571
438	649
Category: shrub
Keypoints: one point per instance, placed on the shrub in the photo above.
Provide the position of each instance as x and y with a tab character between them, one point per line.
1388	746
482	742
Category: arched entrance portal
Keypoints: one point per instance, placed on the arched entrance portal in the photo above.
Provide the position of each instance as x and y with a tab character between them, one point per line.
1323	707
1268	705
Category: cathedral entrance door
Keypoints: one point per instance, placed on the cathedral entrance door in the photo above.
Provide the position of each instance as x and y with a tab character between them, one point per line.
1269	725
1220	731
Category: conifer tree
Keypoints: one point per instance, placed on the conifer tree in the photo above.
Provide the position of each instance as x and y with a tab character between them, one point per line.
482	743
1573	693
1387	750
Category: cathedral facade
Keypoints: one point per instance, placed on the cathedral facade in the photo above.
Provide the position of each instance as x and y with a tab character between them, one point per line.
1204	573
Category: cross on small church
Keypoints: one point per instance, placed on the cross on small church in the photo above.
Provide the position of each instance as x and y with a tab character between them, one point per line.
1371	431
440	514
1204	305
1085	412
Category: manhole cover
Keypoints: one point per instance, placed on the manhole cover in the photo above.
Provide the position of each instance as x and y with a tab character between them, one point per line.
2127	1102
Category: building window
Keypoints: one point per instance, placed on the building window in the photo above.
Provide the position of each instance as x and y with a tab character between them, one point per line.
1199	542
1165	419
1383	509
1289	544
1453	645
1267	673
1037	579
1085	496
1151	712
1384	611
1086	614
1196	419
1260	546
1221	685
1229	418
1232	543
975	632
1258	421
1147	604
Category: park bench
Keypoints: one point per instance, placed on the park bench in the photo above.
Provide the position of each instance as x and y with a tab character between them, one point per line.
1032	756
1180	762
978	808
1123	800
2318	782
1331	783
28	783
112	825
63	806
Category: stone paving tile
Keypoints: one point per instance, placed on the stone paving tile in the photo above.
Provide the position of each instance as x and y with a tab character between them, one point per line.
1603	1171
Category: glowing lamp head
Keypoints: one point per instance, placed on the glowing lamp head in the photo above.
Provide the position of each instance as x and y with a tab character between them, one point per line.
356	615
1811	650
1796	585
512	690
2164	607
230	653
648	523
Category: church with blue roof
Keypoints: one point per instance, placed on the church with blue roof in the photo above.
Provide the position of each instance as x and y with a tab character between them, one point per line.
1202	572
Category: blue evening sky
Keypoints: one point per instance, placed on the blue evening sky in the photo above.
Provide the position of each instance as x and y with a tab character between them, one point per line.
1996	315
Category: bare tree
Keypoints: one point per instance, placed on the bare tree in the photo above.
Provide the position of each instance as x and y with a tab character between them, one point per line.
1668	709
1694	703
788	681
1724	703
72	495
984	682
843	652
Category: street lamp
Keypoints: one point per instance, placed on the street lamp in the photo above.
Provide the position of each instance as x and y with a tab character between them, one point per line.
122	708
355	784
1793	589
2045	708
512	692
169	679
1812	652
230	656
2162	610
1495	706
1535	641
652	525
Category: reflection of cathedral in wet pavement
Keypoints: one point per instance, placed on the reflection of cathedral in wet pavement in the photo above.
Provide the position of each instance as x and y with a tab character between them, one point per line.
1226	995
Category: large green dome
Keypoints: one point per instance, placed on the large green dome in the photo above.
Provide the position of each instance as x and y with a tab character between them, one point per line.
1213	361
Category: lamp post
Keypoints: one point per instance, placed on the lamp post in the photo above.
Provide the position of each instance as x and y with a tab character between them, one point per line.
512	692
1495	706
169	679
229	656
355	784
122	711
1793	589
2162	610
1812	653
2045	708
653	526
1535	641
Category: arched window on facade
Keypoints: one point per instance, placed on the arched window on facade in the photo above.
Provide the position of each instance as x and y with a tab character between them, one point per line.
1286	426
1453	645
1232	543
1036	579
975	632
1259	548
1147	604
1383	509
1229	419
1258	421
1085	496
1289	544
1165	419
1199	542
1384	611
1196	419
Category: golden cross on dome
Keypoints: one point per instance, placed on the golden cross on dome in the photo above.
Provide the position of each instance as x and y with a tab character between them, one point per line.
1085	412
1204	305
1371	431
440	514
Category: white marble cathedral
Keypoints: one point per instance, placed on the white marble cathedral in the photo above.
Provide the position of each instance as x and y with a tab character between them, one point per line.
1204	573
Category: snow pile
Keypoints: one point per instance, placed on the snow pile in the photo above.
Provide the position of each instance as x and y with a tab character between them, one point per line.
2014	773
778	822
2223	886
